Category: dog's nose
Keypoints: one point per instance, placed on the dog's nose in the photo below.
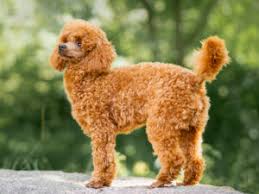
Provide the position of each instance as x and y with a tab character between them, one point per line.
62	47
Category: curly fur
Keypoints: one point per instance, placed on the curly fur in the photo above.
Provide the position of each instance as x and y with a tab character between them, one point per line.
170	100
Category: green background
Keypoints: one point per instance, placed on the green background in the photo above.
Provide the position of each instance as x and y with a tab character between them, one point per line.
36	128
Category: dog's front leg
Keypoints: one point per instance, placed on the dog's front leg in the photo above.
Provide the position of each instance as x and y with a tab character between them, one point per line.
103	151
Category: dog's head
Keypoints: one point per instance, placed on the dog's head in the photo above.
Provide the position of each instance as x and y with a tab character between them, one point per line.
82	44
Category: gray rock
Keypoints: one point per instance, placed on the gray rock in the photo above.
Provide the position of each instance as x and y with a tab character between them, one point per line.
55	182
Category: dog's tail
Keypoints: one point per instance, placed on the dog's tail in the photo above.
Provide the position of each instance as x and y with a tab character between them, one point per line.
212	56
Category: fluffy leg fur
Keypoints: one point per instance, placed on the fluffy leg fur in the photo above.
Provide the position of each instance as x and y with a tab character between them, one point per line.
103	145
194	163
168	151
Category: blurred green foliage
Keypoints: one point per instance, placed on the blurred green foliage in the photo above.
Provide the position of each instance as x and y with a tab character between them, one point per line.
36	128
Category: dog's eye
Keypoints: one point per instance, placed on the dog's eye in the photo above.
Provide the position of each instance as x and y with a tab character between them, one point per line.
79	43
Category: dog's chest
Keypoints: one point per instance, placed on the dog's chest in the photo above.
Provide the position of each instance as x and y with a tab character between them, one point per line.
75	85
88	95
70	83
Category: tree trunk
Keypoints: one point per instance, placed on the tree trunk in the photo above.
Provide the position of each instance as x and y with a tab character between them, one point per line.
152	29
178	32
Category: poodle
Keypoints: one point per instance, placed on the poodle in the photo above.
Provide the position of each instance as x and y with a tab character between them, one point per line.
168	99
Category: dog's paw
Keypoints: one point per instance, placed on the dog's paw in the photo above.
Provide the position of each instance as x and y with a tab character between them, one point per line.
96	184
185	183
180	184
157	184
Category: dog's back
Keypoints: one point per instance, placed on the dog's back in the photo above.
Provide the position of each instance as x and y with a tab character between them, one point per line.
138	89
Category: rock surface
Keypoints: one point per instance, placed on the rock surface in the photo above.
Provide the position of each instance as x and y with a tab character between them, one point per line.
55	182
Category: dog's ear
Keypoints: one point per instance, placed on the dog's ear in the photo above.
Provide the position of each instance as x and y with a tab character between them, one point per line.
101	57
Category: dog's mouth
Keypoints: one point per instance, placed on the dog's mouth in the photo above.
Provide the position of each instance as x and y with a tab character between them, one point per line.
65	55
71	55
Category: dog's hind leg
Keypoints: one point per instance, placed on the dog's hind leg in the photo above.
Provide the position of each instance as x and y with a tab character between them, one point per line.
191	145
166	146
190	141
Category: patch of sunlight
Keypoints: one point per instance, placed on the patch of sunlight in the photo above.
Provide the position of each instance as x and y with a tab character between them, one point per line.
14	46
102	10
240	9
241	58
121	165
136	16
141	168
253	133
229	30
223	91
157	164
41	87
47	73
121	62
12	83
190	59
95	21
226	8
64	18
192	14
23	13
180	176
160	6
130	150
47	41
